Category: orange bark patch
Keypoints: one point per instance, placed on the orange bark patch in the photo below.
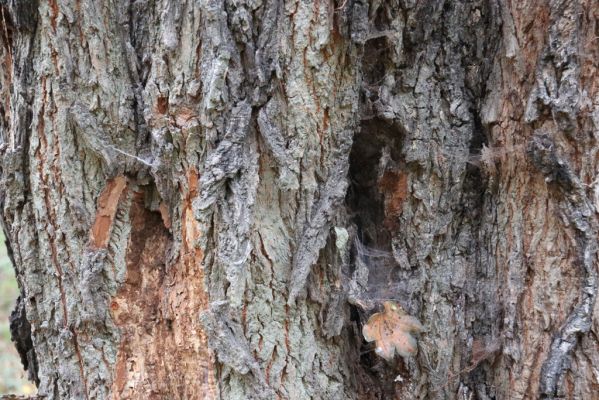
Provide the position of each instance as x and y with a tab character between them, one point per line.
394	186
162	105
191	230
184	115
163	351
107	206
165	214
192	181
53	13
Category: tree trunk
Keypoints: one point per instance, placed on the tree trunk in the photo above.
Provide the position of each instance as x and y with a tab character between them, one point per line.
208	199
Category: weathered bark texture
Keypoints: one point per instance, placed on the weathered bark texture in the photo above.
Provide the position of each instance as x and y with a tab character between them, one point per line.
206	199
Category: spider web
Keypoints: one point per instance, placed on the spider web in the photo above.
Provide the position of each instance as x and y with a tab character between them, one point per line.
375	276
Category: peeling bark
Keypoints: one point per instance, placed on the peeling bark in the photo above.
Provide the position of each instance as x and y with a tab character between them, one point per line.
209	199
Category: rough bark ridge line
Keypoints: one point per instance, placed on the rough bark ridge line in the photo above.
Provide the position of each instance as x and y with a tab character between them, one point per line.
558	89
314	236
20	20
581	216
226	336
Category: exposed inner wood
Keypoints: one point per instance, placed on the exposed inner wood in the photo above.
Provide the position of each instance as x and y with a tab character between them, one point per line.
163	351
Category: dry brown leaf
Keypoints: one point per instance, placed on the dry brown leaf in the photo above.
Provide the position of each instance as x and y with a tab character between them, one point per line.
392	331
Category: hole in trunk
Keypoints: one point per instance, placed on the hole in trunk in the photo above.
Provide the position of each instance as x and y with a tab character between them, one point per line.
375	169
378	187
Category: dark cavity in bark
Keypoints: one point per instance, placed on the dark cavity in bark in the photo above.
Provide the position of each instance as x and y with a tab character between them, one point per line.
375	172
20	332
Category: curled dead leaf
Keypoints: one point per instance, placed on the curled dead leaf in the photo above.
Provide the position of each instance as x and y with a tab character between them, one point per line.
392	331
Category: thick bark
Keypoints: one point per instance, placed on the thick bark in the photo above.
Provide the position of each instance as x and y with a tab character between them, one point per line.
207	199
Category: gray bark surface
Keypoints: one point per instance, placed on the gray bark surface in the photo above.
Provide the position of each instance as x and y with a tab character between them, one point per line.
208	199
